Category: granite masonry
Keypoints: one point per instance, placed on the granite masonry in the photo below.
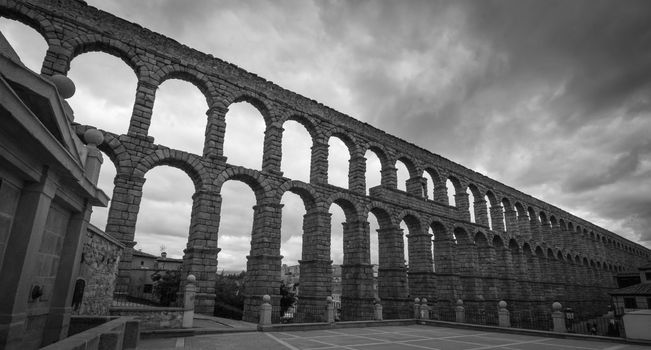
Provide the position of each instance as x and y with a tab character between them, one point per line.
518	248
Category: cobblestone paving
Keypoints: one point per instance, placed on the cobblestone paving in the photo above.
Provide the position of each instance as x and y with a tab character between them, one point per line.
381	338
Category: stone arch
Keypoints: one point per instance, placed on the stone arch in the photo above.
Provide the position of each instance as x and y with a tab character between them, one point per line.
498	242
92	43
303	190
411	219
305	121
252	178
539	252
345	137
40	24
462	235
542	217
197	79
259	104
458	186
382	214
439	230
492	199
476	192
480	239
347	204
519	209
380	152
411	165
188	163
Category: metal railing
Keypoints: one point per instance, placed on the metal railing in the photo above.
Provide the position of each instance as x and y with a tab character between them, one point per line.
532	319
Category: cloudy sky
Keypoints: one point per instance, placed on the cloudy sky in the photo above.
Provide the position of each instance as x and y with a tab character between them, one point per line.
550	97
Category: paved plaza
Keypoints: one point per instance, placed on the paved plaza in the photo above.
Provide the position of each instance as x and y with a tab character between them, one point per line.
380	338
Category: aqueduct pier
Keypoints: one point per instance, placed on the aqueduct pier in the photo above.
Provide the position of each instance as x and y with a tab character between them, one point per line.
518	248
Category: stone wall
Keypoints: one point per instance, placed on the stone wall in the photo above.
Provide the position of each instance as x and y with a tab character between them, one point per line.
99	269
528	250
153	318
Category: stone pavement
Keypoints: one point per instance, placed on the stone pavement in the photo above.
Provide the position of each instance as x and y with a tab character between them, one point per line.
381	338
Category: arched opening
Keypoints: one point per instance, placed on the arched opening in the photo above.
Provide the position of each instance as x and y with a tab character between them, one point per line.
489	213
440	256
234	241
244	135
29	44
402	175
428	187
295	162
291	248
179	116
374	226
373	170
471	204
107	105
338	158
105	182
451	192
165	209
405	243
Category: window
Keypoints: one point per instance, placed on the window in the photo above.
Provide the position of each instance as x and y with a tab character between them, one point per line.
630	303
147	288
648	276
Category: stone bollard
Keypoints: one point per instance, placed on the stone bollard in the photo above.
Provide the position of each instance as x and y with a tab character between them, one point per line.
417	308
460	312
424	309
188	302
503	315
265	311
558	318
378	310
330	310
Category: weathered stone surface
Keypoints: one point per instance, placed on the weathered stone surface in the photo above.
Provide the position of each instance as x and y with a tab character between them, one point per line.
534	253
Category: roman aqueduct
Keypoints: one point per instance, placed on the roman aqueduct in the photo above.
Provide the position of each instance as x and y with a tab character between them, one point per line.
529	253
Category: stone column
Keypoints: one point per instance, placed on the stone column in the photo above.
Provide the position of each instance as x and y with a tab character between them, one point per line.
316	266
497	215
389	176
263	263
481	212
357	273
441	194
16	279
319	162
511	221
524	226
546	231
466	267
462	203
121	222
213	146
444	260
142	108
357	173
272	149
393	288
56	60
200	254
486	264
420	265
417	186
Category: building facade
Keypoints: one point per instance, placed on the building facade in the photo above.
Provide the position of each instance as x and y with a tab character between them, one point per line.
48	182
